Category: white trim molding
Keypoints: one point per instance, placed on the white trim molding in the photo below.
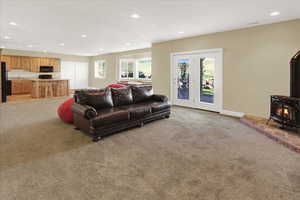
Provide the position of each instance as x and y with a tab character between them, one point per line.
197	51
232	113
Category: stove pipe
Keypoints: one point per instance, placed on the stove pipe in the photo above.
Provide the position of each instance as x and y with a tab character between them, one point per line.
295	76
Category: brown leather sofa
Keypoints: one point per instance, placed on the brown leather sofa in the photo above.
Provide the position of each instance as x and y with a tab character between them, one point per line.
100	112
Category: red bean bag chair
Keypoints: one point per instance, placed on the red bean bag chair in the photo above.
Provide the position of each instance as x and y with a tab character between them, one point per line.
65	112
116	86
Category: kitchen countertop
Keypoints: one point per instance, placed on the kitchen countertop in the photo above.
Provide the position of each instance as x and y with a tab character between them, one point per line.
36	79
53	79
18	78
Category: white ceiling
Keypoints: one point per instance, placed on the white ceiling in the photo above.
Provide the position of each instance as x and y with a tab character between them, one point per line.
108	25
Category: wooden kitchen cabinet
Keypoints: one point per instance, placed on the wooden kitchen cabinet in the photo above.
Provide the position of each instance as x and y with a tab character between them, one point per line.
30	63
35	64
16	87
26	63
56	64
27	86
45	61
21	86
7	60
15	62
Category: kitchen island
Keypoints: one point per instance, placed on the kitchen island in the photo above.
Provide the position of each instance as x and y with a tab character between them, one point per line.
47	88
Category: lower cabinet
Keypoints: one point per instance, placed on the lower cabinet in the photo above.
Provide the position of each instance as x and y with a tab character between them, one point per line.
49	88
21	87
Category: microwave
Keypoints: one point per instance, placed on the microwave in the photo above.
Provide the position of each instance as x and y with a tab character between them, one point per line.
46	69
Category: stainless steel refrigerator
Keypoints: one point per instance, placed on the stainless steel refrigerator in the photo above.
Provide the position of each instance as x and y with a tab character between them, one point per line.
5	83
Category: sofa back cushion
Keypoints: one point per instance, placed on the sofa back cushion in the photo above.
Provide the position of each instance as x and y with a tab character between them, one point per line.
98	99
141	93
122	96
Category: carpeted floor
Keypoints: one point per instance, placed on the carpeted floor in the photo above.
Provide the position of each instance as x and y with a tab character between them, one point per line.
193	155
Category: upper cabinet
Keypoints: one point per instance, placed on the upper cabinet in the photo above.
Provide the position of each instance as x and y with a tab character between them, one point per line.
7	60
45	61
35	64
26	63
55	62
30	63
15	62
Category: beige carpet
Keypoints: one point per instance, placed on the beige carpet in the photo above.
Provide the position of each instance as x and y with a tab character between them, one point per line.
193	155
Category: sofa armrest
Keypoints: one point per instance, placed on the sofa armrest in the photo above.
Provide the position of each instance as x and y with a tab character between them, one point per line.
84	110
162	98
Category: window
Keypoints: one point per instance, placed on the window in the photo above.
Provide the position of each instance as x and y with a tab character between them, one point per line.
139	69
143	69
100	69
127	69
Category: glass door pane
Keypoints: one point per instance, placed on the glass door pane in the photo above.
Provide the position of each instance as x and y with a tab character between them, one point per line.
207	79
124	69
183	79
131	65
144	69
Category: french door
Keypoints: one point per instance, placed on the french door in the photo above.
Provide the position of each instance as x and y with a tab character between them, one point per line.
76	72
197	79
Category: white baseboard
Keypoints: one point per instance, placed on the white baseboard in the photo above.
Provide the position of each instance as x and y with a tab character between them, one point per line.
232	113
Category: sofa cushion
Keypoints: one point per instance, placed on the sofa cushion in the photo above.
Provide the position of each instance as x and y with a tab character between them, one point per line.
122	96
161	98
81	97
109	116
100	99
159	106
141	93
137	111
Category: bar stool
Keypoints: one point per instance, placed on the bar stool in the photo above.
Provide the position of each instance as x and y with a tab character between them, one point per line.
48	89
41	90
54	87
59	88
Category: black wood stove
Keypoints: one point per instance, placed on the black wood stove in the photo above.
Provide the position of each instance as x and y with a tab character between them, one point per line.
286	110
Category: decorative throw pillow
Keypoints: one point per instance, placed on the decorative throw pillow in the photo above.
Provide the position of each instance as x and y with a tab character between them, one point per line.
80	98
100	99
116	85
141	93
122	96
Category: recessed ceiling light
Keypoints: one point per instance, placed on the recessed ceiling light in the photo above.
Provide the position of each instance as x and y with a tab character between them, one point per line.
135	16
128	44
101	49
275	13
30	45
13	23
62	44
7	37
83	36
45	51
181	32
2	47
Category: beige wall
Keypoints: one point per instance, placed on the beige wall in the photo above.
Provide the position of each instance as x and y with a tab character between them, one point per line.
256	63
63	57
112	61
